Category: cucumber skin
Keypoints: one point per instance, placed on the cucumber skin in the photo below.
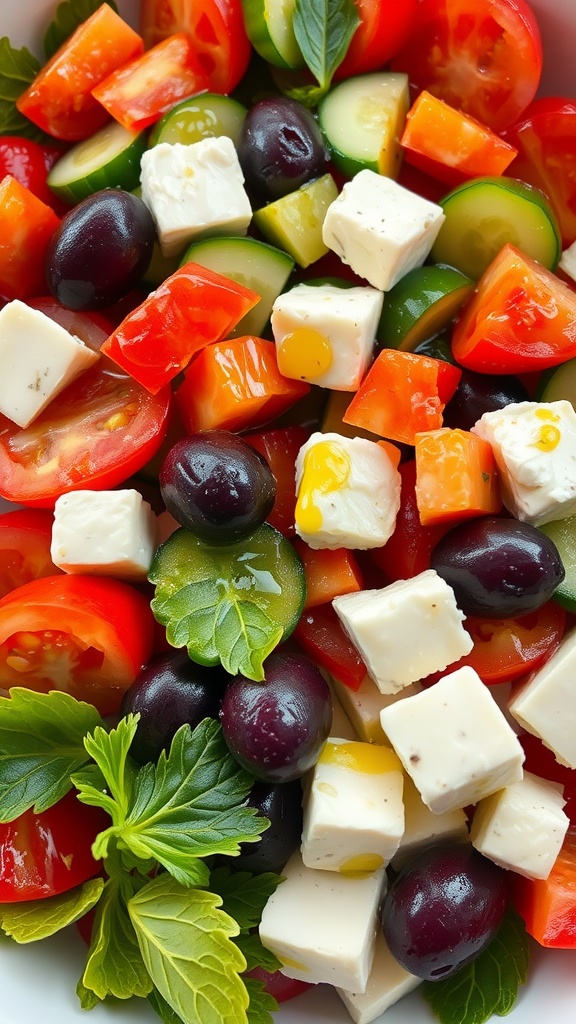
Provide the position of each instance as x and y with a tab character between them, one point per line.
125	176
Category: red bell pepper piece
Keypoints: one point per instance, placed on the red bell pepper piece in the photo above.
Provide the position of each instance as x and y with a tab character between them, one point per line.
321	636
26	227
280	448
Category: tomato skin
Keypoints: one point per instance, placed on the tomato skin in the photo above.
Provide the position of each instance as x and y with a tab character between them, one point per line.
384	27
278	985
216	28
485	59
88	635
102	429
25	538
320	635
26	227
540	761
48	853
29	163
280	448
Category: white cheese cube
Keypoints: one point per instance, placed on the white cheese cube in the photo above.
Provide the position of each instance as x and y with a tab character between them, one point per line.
363	706
325	334
454	742
546	704
341	726
567	261
387	983
39	358
522	827
534	444
381	229
405	631
421	825
194	190
348	492
353	810
322	925
105	533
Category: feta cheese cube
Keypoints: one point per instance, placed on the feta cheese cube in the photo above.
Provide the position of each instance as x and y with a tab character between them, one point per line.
39	358
363	706
567	261
105	533
387	983
454	742
341	727
421	825
194	190
381	229
348	492
522	827
405	631
325	334
353	809
546	704
322	925
534	444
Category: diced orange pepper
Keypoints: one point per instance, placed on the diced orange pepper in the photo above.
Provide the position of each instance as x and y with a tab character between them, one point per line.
60	99
328	573
26	227
456	476
280	448
451	145
235	385
402	394
139	93
548	905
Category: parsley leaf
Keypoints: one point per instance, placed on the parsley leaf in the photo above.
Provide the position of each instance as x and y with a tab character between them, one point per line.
115	965
37	919
262	1004
69	15
488	985
186	806
243	894
323	30
186	944
41	743
255	954
18	68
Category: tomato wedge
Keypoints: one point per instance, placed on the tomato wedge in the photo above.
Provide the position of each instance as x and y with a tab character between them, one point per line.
485	59
88	636
384	27
102	429
25	538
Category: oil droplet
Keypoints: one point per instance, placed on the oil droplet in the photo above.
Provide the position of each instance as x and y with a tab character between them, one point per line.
305	354
326	468
361	865
294	964
355	756
548	438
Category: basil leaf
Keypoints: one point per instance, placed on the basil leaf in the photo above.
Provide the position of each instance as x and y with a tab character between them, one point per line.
18	69
41	744
262	1004
115	965
162	1008
489	985
37	919
323	30
69	15
243	894
186	944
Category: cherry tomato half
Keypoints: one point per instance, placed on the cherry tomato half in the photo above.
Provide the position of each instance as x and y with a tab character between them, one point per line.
384	27
278	985
29	163
484	58
44	854
25	538
89	636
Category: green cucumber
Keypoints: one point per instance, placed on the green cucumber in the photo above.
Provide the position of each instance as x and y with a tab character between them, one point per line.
257	265
269	29
208	115
108	159
294	222
483	214
421	305
362	120
558	383
563	533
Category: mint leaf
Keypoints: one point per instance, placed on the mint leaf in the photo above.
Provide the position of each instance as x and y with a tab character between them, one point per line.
162	1008
487	986
18	69
243	894
188	805
323	30
69	15
41	744
37	919
255	954
186	944
262	1004
115	965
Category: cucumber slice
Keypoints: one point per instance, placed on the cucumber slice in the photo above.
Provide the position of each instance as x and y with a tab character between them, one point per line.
108	159
563	534
485	213
208	115
256	265
362	120
421	305
269	29
558	383
294	222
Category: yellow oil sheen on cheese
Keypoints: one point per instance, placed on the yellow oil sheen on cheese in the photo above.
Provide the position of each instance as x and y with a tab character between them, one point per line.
355	756
549	436
361	865
304	354
326	468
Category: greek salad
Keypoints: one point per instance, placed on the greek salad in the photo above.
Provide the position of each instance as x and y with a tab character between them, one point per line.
288	458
